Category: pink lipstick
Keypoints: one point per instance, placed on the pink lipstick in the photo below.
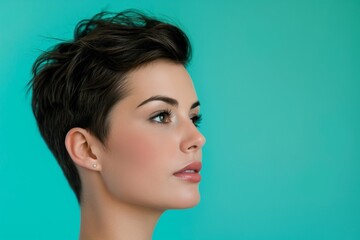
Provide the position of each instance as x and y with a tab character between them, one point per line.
190	172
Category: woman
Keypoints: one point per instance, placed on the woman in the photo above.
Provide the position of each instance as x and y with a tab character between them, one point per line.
118	110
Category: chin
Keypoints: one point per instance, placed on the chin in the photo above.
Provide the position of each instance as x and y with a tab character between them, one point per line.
186	200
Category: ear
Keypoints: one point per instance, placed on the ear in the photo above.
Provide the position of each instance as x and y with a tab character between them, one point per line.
82	148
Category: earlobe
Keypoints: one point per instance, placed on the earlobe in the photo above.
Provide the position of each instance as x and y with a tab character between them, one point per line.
80	146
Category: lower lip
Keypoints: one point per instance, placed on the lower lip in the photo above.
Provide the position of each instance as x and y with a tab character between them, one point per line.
190	177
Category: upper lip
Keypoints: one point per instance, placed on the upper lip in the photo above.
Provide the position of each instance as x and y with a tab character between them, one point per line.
196	166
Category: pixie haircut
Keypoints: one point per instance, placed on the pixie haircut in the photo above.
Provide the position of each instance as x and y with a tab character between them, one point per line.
76	83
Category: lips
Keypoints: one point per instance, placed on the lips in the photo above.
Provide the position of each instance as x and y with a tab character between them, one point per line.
190	173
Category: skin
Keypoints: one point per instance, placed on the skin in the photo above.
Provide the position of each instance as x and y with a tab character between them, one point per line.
128	181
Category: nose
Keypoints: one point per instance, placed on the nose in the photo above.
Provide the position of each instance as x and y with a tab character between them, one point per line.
193	140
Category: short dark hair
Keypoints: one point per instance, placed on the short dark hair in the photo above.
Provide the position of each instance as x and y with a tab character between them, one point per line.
76	83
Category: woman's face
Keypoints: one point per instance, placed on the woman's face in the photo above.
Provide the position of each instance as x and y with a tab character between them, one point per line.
153	135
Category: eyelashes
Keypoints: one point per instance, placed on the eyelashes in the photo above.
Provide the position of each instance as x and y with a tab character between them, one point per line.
166	116
197	120
163	116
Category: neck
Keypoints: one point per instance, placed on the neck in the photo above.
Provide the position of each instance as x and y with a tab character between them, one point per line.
107	218
120	221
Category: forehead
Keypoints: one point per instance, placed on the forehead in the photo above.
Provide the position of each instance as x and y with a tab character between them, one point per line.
161	77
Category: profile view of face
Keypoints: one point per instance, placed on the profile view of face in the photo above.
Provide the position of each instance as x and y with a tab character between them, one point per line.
153	135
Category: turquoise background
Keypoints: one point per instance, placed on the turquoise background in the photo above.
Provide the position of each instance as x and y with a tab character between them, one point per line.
279	83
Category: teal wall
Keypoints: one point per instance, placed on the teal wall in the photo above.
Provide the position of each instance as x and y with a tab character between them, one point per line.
279	83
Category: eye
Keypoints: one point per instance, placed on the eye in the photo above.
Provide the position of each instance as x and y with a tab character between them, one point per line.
196	120
162	117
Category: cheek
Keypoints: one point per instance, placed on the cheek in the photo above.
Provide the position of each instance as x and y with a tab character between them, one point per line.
135	150
132	154
141	151
139	161
146	147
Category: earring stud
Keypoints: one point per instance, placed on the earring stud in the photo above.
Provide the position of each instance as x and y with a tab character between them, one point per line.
94	165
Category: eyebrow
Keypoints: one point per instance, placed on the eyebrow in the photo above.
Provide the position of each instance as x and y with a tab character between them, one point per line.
168	100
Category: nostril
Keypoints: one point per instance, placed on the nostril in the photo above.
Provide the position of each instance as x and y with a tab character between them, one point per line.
193	147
